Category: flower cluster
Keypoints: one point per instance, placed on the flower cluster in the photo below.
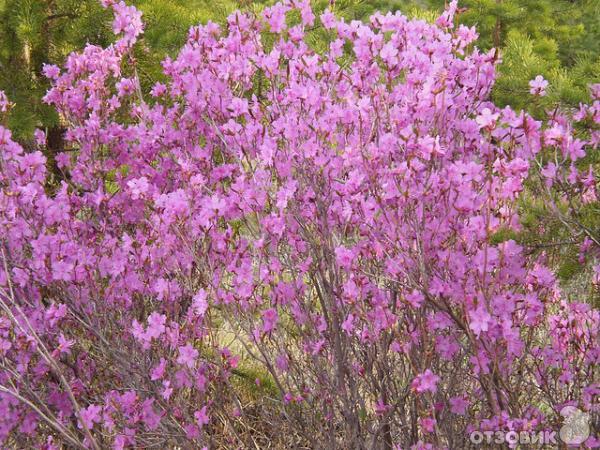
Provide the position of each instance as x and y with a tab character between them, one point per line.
327	218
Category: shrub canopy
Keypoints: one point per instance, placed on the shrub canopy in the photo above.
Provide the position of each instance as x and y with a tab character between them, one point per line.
327	221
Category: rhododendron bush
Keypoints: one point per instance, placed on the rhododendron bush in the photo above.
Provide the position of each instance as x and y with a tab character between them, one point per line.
325	220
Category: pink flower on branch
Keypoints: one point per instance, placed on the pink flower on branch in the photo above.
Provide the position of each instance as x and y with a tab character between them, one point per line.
425	382
345	214
538	86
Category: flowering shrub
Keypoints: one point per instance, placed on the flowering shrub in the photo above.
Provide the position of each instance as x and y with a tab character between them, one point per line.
324	219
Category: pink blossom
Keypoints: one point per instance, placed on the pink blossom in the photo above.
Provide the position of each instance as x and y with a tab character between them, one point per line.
549	172
138	187
348	324
150	417
156	325
538	86
458	405
389	52
5	104
466	34
426	381
428	424
62	270
340	214
487	119
201	417
238	106
344	257
187	355
328	19
51	71
64	344
40	137
128	20
415	298
158	372
308	18
90	416
275	16
200	303
480	320
158	90
167	391
270	318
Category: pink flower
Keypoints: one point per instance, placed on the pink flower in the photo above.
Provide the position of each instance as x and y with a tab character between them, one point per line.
549	172
282	362
428	424
303	192
351	290
201	417
415	298
487	119
64	344
149	416
308	18
344	257
466	34
40	137
348	324
90	416
125	87
200	303
138	187
201	382
167	391
5	104
479	320
328	19
158	371
446	346
187	355
389	52
158	90
238	106
137	330
275	16
55	313
542	276
458	405
538	86
29	424
381	408
128	20
270	318
156	325
51	71
427	381
62	270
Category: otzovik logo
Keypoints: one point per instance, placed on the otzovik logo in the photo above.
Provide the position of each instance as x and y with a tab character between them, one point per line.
576	426
574	431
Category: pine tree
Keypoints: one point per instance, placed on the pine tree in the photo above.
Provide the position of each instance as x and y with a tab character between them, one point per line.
558	39
34	32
